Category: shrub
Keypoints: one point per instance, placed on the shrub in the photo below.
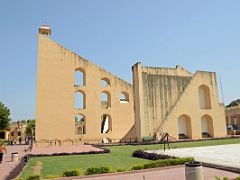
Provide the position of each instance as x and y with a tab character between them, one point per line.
52	176
33	177
137	167
225	178
121	170
18	179
237	178
98	170
5	142
151	156
162	163
71	172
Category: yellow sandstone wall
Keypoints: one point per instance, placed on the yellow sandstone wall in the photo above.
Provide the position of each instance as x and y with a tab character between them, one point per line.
158	98
162	95
55	114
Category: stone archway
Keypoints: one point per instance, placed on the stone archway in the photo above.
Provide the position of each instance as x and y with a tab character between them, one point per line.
207	126
106	124
184	127
204	97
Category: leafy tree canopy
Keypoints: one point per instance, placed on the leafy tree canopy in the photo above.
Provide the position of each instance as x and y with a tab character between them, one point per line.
30	127
234	103
23	121
4	116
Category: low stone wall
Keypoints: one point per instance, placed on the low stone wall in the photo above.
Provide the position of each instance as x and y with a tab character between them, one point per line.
71	142
158	142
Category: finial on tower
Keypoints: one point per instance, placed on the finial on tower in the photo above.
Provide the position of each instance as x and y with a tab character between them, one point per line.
45	29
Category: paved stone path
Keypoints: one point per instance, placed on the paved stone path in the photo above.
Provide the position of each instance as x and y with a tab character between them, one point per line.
7	165
63	149
177	173
226	155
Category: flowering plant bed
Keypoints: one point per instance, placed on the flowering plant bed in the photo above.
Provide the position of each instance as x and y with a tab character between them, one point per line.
151	156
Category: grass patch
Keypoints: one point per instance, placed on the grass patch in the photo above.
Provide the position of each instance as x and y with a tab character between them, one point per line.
5	142
120	157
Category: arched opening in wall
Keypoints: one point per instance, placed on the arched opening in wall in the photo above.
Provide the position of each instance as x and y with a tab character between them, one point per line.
228	124
238	122
227	121
80	100
106	124
184	127
80	124
105	100
80	77
106	140
55	142
124	97
204	97
105	82
232	120
207	126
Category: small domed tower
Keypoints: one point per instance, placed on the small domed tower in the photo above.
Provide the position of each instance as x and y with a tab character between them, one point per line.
45	30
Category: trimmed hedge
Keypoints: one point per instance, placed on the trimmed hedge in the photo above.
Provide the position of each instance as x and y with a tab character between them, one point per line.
151	156
226	178
33	177
71	172
98	170
52	176
162	163
138	167
121	170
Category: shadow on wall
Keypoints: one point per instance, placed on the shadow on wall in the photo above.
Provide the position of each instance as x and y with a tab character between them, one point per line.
130	136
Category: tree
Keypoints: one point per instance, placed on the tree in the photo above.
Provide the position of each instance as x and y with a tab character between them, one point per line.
4	116
234	103
23	121
30	130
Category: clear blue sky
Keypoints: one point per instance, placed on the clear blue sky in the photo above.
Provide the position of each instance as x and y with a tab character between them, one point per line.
198	35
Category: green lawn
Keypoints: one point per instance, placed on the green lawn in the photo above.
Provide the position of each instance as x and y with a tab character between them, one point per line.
119	157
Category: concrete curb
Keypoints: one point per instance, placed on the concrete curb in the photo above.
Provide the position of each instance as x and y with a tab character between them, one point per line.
221	167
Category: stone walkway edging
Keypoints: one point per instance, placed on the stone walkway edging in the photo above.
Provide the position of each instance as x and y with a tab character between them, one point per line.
18	168
221	167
